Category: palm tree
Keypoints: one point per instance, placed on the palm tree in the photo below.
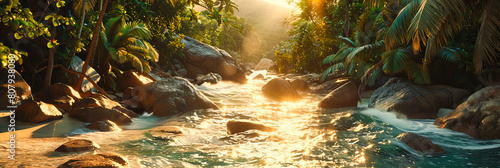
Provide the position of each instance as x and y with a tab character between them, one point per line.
123	42
434	22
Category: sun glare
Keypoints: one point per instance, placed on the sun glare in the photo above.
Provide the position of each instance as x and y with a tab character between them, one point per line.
283	3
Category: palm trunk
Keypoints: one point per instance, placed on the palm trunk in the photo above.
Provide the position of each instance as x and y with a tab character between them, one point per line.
92	44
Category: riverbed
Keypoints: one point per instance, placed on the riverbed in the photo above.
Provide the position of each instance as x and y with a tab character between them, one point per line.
305	136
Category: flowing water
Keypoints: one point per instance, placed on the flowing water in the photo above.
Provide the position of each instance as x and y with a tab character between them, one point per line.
306	136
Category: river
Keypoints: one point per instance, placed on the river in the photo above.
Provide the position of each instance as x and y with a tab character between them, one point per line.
306	136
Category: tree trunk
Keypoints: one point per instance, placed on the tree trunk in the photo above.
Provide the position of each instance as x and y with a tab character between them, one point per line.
92	44
346	19
50	67
80	27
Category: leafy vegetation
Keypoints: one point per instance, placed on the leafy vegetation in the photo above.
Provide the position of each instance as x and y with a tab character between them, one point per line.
373	38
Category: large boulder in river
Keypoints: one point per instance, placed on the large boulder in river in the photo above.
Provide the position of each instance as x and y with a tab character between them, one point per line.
133	78
17	85
416	102
97	160
478	117
419	143
203	59
237	126
280	89
172	96
344	96
264	64
104	126
35	112
78	145
100	108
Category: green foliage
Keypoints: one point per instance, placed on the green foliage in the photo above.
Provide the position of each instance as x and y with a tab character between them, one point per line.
127	42
7	55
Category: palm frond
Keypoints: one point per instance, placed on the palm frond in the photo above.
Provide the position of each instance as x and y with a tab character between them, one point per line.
340	56
488	37
417	73
78	5
397	33
430	18
331	69
153	52
449	54
136	29
113	26
353	54
395	60
347	41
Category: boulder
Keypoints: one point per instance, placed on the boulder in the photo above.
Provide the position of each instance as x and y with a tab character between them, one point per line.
237	126
259	76
405	98
300	85
133	104
419	143
100	108
344	96
133	78
166	132
203	59
21	88
60	89
98	160
212	78
65	103
93	114
330	85
77	65
78	145
280	89
478	116
104	126
448	97
37	111
264	64
172	96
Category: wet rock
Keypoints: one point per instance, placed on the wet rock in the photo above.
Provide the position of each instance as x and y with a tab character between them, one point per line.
300	85
212	78
35	112
264	64
330	85
448	97
106	160
166	132
280	89
172	96
133	78
258	77
344	96
21	88
405	98
478	116
238	126
65	103
78	145
60	90
100	108
104	126
133	104
419	143
93	114
203	59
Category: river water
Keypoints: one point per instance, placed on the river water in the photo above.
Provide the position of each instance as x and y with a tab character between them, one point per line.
306	136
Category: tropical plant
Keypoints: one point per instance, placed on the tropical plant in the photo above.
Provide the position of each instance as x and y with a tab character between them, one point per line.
430	24
123	42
